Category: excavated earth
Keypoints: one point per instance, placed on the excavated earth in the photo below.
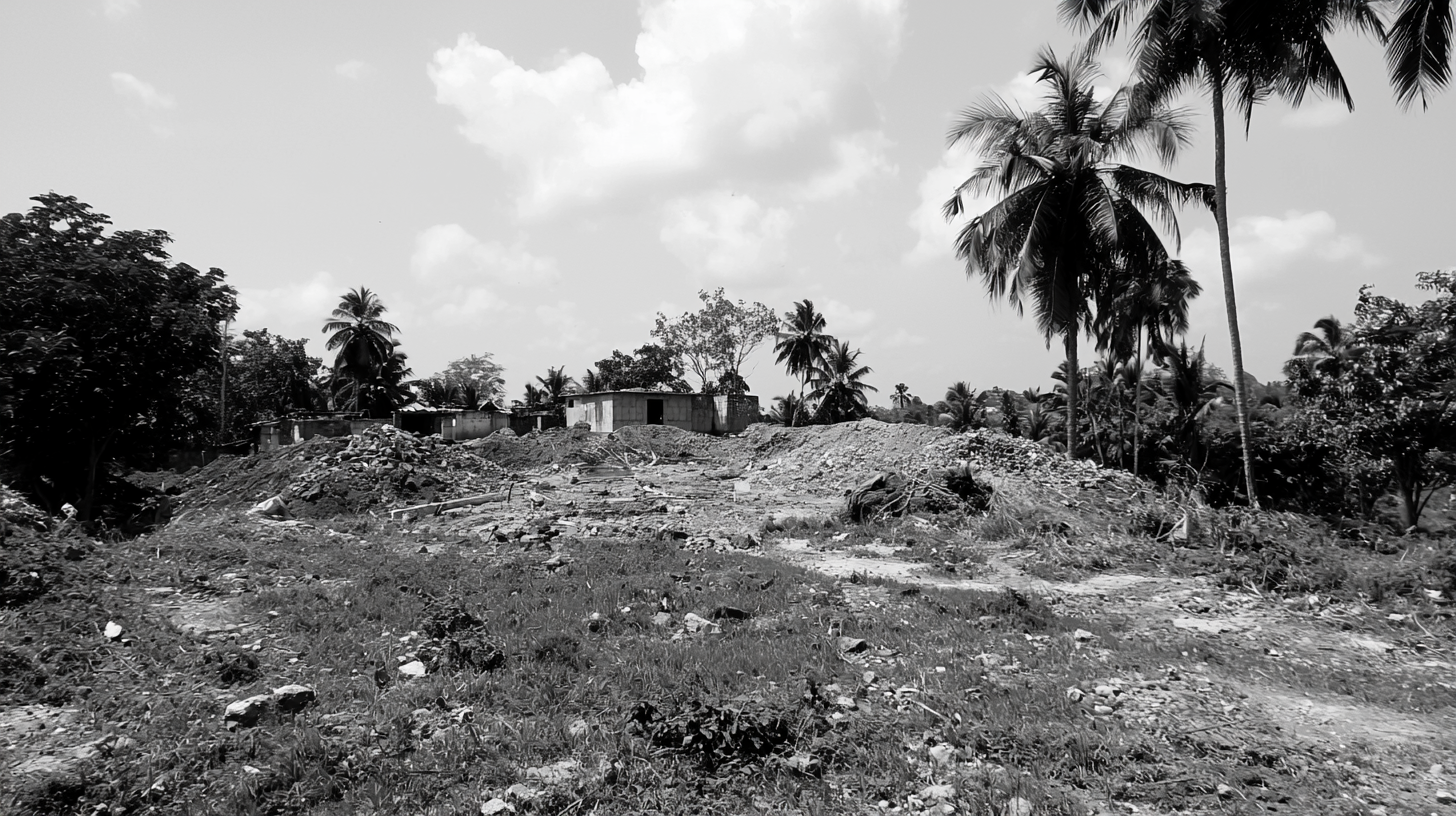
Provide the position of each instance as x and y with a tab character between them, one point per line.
777	490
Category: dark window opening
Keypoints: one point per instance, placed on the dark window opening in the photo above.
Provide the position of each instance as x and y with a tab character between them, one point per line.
654	412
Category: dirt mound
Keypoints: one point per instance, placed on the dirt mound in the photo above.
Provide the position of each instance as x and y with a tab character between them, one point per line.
381	468
839	456
637	444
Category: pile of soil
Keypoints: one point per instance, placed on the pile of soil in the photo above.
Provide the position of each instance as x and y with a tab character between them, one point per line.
836	457
640	444
381	468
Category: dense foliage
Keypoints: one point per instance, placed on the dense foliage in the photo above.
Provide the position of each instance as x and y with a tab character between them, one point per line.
102	337
714	341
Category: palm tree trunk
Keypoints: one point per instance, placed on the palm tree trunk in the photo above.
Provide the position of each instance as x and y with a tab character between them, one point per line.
1071	342
1137	410
1220	215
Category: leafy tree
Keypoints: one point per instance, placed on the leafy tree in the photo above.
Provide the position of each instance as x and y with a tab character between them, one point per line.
381	394
101	340
1069	233
901	397
1394	401
1250	48
839	389
267	377
716	339
651	367
802	342
1330	352
478	376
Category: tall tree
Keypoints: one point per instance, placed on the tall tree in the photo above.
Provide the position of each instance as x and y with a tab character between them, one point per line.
478	371
1070	228
555	386
358	333
716	339
651	367
102	337
1248	48
839	389
802	341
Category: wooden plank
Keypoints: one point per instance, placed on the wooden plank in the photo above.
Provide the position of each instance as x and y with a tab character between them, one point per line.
435	508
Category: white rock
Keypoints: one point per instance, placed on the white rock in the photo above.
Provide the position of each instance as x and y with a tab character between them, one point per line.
1445	797
943	754
293	697
113	630
414	668
496	805
247	711
936	793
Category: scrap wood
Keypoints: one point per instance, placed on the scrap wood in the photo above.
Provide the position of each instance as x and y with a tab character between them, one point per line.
435	508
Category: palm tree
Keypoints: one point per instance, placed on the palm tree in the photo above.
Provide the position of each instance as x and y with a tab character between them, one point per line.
1070	226
534	397
802	344
787	410
555	385
901	398
1252	48
839	387
381	394
1328	352
363	340
1191	393
591	382
1418	49
962	407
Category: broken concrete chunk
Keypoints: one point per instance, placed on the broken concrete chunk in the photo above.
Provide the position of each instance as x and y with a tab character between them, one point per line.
274	507
414	668
698	623
294	698
246	713
849	645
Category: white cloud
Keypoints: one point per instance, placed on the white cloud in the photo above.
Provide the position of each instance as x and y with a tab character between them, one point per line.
306	302
353	69
727	236
467	305
562	326
447	252
840	318
1262	244
721	82
117	9
145	102
1320	114
902	338
859	157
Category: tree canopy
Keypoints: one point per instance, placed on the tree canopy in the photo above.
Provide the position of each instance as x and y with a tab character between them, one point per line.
716	339
102	338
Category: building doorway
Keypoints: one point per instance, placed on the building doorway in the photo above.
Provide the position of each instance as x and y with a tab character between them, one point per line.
654	412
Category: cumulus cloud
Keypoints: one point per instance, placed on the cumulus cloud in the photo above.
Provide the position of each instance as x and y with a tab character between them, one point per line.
447	252
562	325
1320	114
1263	244
467	305
858	157
781	83
287	308
144	101
841	318
117	9
353	69
727	236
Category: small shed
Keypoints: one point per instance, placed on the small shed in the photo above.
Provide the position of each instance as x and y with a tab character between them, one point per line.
606	411
453	423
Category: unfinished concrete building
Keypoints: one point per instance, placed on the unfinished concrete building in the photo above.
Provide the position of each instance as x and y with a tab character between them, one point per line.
606	411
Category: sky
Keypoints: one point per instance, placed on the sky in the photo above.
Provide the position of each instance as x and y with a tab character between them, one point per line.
538	180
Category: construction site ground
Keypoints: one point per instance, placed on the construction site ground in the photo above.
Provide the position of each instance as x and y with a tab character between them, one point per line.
656	621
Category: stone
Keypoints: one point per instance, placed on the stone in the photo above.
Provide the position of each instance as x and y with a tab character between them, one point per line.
1445	797
943	754
414	668
113	630
849	645
1082	636
245	713
937	793
274	507
729	613
294	698
698	623
803	763
496	805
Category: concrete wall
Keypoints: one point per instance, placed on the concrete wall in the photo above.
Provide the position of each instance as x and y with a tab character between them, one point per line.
691	412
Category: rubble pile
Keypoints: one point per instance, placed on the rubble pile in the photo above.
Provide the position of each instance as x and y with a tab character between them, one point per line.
640	444
837	457
380	468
